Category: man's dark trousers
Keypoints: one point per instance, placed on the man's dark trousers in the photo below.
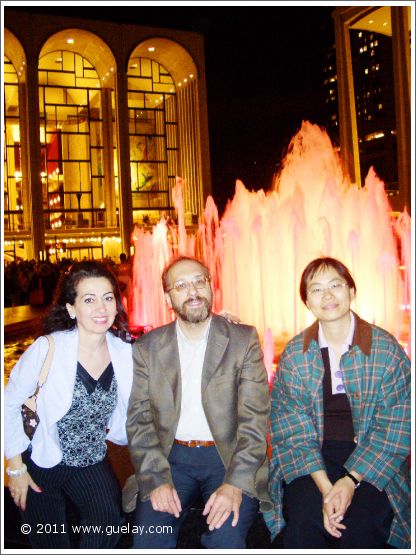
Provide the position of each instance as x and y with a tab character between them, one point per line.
196	471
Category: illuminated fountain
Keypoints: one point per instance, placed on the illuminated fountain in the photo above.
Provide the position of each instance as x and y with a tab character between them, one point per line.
258	250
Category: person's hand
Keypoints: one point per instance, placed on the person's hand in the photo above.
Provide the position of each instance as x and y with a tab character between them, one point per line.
230	317
224	501
166	499
324	485
336	503
332	527
332	517
18	486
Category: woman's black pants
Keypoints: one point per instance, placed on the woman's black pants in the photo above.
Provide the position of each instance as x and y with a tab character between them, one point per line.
367	520
94	493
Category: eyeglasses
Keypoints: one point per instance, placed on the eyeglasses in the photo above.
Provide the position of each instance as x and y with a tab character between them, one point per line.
318	291
198	283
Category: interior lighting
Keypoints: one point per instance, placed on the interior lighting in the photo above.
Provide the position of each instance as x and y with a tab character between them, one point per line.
151	49
375	135
70	41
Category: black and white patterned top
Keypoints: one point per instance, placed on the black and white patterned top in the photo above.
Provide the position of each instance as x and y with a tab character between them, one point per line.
82	430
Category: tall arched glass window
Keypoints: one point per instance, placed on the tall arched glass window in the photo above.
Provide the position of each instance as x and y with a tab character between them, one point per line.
71	133
13	194
153	138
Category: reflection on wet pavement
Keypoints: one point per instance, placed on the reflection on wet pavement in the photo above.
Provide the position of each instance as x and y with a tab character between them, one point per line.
13	350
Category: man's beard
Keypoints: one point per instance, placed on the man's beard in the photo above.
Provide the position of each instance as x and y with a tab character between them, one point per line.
191	315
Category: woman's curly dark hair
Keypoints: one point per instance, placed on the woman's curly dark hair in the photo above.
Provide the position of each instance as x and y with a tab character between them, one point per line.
58	319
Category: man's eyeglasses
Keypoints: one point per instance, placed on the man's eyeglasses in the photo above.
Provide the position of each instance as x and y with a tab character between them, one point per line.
182	286
318	291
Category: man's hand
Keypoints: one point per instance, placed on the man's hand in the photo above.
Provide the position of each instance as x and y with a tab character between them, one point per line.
165	499
225	500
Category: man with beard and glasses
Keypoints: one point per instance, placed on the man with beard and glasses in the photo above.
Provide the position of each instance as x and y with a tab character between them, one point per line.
197	419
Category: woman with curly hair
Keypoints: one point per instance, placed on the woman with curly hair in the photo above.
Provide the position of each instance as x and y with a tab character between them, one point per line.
82	404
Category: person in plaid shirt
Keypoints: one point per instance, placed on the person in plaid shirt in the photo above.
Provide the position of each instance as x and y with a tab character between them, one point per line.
340	426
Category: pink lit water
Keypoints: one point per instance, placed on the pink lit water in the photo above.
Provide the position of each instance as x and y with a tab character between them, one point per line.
258	250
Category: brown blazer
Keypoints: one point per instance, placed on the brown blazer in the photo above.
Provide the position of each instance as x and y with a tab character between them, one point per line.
235	397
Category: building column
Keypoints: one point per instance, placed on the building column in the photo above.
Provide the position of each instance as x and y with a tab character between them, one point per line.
348	133
108	158
123	143
190	150
401	72
24	143
33	149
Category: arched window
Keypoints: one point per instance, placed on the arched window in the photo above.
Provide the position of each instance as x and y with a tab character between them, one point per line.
71	123
153	138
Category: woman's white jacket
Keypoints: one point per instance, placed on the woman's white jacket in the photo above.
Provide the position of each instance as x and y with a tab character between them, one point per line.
55	397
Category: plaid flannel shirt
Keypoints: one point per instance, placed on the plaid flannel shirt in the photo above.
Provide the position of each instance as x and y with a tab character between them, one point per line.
376	374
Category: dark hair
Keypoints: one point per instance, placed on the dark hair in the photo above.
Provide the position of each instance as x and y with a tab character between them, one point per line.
58	318
321	264
175	261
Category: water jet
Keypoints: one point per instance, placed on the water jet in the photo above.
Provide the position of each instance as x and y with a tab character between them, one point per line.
257	251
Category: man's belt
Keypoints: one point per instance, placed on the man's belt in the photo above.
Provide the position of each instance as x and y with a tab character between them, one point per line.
195	443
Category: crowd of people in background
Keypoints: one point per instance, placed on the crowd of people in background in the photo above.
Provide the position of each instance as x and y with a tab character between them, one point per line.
23	277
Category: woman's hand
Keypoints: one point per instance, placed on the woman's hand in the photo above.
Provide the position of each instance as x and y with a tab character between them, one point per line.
332	525
230	317
336	503
18	486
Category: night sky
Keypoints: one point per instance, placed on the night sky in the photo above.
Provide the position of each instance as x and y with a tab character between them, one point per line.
264	72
